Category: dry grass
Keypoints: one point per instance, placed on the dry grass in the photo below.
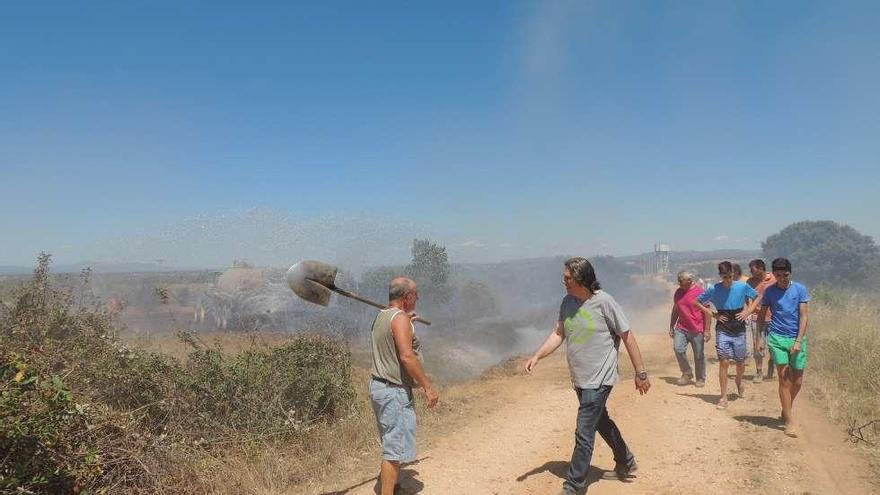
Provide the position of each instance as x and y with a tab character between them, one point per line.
844	341
312	464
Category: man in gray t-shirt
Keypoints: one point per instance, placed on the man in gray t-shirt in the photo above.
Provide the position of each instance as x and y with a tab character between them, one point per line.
592	325
593	329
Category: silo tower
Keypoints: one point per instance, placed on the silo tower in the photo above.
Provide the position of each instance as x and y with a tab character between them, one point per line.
661	258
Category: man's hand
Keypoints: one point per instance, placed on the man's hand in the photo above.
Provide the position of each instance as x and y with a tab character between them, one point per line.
671	331
642	385
796	348
432	396
743	315
707	336
530	365
721	318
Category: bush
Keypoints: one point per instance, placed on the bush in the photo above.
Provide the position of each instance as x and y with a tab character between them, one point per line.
81	412
844	351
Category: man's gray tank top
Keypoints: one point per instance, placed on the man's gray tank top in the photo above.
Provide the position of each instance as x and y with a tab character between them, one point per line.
386	361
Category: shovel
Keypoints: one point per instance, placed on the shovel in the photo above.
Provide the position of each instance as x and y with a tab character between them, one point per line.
313	281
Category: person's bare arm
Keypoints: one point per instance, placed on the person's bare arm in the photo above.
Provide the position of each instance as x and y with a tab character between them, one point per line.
401	329
707	329
762	323
554	340
672	319
802	328
705	309
635	355
750	308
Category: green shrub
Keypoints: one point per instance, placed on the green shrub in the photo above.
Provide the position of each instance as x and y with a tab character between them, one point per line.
81	412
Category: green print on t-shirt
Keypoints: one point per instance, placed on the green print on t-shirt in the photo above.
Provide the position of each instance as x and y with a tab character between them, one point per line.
580	327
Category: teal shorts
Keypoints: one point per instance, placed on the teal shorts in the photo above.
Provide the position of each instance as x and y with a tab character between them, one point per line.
780	349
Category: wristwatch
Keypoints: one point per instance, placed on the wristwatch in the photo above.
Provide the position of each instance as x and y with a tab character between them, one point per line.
643	375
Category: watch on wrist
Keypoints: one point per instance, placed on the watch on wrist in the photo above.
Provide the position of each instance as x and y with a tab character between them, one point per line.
643	375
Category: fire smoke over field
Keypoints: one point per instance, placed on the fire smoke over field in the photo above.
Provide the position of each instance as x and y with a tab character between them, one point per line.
484	313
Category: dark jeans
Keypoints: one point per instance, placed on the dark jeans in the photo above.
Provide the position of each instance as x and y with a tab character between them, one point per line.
593	416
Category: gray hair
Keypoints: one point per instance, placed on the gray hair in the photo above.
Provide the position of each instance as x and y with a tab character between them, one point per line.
686	275
399	288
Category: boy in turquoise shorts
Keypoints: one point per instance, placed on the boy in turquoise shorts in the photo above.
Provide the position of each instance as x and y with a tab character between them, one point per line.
787	338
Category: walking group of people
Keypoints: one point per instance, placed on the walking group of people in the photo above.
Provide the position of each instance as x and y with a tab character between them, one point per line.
592	325
765	314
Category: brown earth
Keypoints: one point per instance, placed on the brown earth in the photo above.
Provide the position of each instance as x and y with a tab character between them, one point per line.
516	435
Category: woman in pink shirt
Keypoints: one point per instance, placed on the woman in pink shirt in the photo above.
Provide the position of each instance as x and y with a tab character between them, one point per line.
686	326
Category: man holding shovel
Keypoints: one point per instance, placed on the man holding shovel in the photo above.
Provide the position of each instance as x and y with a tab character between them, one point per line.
397	368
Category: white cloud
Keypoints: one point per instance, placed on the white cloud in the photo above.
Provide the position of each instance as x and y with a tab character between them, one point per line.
721	237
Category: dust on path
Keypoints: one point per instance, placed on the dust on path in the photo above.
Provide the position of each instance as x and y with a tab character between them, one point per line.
520	438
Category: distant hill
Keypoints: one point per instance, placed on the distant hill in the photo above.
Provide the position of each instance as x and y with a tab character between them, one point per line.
99	267
14	270
685	257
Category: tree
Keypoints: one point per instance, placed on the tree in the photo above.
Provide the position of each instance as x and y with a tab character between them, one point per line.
374	282
476	300
825	252
430	270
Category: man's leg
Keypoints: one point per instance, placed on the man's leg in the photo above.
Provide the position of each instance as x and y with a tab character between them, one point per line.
388	475
797	380
679	343
759	356
740	371
782	371
624	460
592	404
699	356
723	365
740	354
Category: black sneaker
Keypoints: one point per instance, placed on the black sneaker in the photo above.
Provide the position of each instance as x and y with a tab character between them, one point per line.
621	471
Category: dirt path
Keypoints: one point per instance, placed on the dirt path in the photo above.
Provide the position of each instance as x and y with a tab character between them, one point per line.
519	437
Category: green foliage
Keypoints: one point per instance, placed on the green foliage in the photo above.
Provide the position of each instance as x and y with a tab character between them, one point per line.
476	300
430	270
825	251
41	431
81	412
374	283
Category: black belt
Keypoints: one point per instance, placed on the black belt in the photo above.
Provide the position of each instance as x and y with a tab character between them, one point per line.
387	382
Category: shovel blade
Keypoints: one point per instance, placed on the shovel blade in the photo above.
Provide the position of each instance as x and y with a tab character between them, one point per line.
312	280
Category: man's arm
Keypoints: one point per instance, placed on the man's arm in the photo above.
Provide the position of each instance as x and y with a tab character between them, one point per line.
554	340
762	315
635	355
401	329
672	319
750	308
705	309
802	328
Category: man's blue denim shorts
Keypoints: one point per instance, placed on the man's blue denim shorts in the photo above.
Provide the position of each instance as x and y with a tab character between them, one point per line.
396	420
731	346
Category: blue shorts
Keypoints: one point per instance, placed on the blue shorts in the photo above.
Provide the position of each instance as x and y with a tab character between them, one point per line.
396	420
731	346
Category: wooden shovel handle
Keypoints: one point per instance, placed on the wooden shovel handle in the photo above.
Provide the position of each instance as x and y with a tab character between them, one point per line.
371	303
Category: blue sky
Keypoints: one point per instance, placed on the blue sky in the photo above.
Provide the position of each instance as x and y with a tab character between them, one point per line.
501	129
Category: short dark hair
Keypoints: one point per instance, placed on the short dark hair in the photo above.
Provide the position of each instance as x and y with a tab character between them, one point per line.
759	263
725	268
781	265
582	271
737	270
